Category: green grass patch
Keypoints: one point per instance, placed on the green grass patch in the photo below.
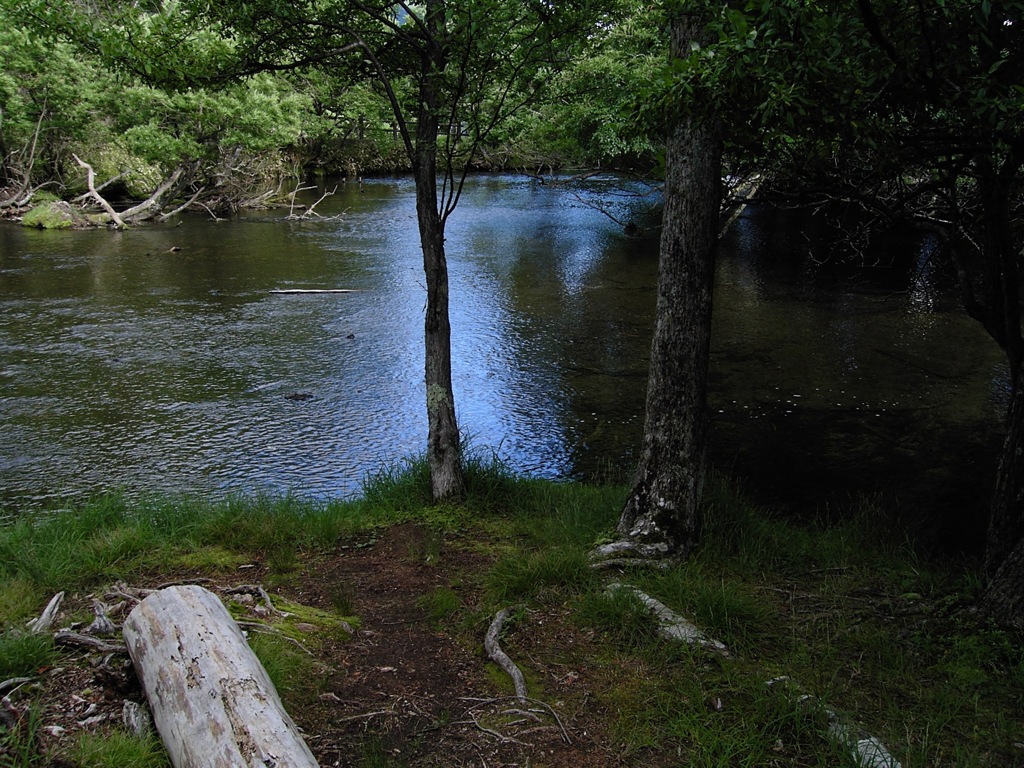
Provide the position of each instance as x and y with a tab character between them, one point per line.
210	558
440	605
23	654
619	615
19	600
292	671
118	749
533	575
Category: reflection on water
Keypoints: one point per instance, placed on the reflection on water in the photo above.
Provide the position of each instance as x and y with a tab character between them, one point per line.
157	359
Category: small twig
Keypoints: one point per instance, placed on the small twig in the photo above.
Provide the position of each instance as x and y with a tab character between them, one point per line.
298	188
209	210
310	211
286	291
14	683
363	716
547	708
132	594
500	737
167	584
537	702
183	206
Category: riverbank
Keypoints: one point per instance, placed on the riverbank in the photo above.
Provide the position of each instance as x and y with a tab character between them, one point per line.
381	661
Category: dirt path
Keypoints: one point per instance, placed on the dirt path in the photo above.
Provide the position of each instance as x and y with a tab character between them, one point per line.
414	694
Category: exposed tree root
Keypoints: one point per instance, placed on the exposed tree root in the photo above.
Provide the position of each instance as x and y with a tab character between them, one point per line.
671	625
867	751
499	657
528	711
632	552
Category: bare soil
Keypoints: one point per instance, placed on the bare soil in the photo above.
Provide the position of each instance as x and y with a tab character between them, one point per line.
402	690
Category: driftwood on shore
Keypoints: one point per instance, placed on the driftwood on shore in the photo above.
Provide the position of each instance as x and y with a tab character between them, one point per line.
212	702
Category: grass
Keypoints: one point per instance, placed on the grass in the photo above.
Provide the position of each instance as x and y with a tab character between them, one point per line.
23	654
19	745
440	605
119	749
289	668
842	606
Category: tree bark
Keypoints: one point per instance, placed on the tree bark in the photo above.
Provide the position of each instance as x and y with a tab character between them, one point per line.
661	516
212	701
1004	595
1004	545
443	441
1004	548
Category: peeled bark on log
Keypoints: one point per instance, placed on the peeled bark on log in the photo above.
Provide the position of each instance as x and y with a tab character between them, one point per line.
213	703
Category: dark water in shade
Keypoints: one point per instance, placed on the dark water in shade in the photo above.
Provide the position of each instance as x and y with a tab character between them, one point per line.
126	364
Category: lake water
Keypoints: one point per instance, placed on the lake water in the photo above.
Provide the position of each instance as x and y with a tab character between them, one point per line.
159	360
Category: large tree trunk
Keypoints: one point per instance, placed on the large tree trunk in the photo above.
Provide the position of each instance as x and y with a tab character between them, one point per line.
443	442
211	699
661	516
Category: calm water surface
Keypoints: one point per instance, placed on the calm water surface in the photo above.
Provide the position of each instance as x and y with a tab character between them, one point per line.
158	359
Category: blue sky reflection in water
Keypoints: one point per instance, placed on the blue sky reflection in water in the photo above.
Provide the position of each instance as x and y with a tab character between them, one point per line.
124	363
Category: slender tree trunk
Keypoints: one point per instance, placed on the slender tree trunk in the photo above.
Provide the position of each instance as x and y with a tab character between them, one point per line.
661	515
1004	549
1004	546
443	442
1006	524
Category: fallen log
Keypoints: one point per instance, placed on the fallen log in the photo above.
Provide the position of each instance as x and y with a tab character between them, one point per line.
212	702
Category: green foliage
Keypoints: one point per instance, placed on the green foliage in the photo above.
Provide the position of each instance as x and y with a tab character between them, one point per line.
588	114
168	128
48	98
57	99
